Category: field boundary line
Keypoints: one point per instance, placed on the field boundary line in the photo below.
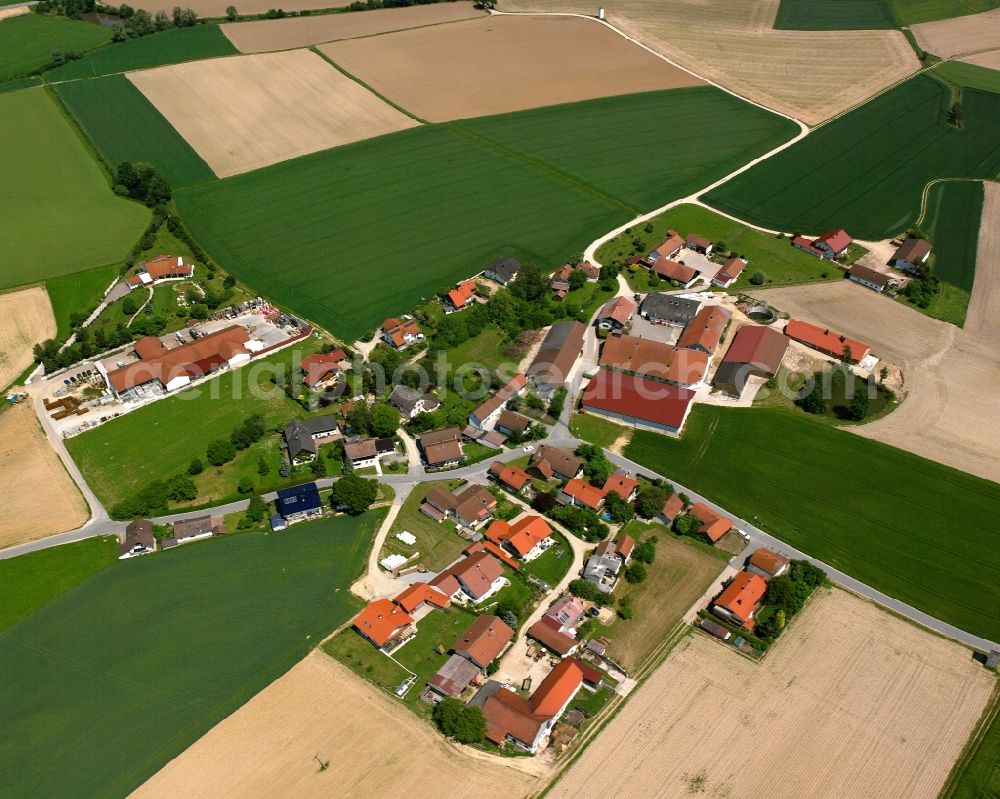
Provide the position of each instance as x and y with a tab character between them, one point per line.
315	48
927	191
972	746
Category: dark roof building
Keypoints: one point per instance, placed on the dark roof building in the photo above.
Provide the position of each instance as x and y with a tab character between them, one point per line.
911	254
301	434
503	270
139	539
559	351
410	402
871	278
441	447
755	351
555	462
454	676
299	501
669	309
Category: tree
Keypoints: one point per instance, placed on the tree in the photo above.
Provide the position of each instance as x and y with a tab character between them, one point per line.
758	278
196	467
262	467
257	509
814	402
231	13
577	279
384	420
650	500
317	467
687	525
353	493
625	609
557	403
508	617
230	281
645	551
860	405
245	486
544	502
220	452
530	284
589	592
141	23
182	489
465	723
359	419
128	306
616	507
285	469
635	572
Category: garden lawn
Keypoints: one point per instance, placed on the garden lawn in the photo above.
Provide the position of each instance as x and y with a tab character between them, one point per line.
159	440
551	566
834	15
928	540
28	41
204	628
486	349
159	49
79	292
124	126
53	192
780	262
858	173
642	149
438	543
30	581
597	430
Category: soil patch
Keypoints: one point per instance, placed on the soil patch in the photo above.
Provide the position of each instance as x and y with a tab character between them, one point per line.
25	320
960	35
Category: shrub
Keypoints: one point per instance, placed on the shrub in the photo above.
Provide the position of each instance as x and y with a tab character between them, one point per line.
220	452
758	278
245	486
354	493
196	467
649	501
262	467
465	723
589	592
182	489
645	552
635	573
257	509
686	525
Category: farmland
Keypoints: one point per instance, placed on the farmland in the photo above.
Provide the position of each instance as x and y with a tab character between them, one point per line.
973	33
903	538
167	47
972	74
911	12
873	179
50	177
437	73
954	209
28	41
834	15
304	231
852	703
190	646
719	134
780	262
124	126
25	320
301	105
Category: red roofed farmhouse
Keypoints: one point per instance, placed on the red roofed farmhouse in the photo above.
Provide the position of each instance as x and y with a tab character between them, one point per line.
385	624
462	294
683	274
162	267
740	600
580	492
638	401
400	333
475	577
713	526
524	537
831	245
756	351
616	313
730	272
836	345
317	368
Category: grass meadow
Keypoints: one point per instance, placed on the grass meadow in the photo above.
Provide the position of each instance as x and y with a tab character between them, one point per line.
28	41
159	49
58	214
834	15
107	683
124	126
79	291
954	210
916	530
860	173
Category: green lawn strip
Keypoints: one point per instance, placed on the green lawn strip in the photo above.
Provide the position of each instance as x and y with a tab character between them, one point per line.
438	543
900	536
977	773
950	304
124	126
49	177
551	566
912	12
19	83
365	660
474	452
30	581
834	15
177	429
27	42
79	292
309	232
872	178
151	653
780	262
159	49
596	430
657	159
486	349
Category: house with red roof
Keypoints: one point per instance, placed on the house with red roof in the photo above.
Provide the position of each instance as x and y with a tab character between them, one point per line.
527	722
320	367
581	493
638	401
831	245
729	273
475	577
420	594
385	624
484	641
767	563
686	276
827	341
672	508
756	351
698	244
551	634
460	296
510	477
401	333
624	486
162	267
525	537
712	525
616	313
669	249
488	412
740	600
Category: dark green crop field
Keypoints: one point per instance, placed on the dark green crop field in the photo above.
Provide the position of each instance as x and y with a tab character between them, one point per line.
954	210
971	76
911	12
167	47
124	126
28	41
916	530
425	207
104	685
833	15
641	149
867	170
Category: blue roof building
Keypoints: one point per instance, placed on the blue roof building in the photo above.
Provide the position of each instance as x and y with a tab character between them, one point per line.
299	502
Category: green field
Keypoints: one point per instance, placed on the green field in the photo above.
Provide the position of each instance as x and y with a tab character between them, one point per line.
977	774
927	539
641	149
28	41
971	76
124	126
167	47
79	291
861	173
20	83
596	429
834	15
431	205
30	581
912	12
54	194
954	210
121	674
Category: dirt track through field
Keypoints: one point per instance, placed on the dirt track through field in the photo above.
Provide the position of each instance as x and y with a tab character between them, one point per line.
502	64
952	411
245	112
851	703
960	35
37	495
811	75
283	34
375	747
25	320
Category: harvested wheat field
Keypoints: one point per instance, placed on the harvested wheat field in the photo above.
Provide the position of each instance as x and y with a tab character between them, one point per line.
851	702
810	75
25	320
951	413
375	747
960	35
245	112
283	34
36	493
502	64
989	59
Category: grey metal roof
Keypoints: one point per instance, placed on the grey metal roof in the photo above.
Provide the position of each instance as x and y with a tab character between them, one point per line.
507	268
669	306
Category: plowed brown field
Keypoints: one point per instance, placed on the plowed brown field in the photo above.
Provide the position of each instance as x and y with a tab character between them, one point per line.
245	112
989	59
501	64
36	493
960	35
283	34
25	320
375	748
811	75
851	703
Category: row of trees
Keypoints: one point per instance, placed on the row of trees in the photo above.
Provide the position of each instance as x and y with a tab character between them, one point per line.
787	594
140	181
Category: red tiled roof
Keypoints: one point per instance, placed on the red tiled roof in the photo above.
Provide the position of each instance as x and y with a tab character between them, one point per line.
700	241
705	328
495	550
671	270
826	340
510	389
510	475
477	572
672	244
767	560
731	269
621	484
584	493
380	620
836	240
672	507
167	266
523	535
625	545
317	366
397	330
546	632
484	640
462	293
712	524
758	345
650	358
557	688
638	398
619	308
802	241
418	593
743	594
